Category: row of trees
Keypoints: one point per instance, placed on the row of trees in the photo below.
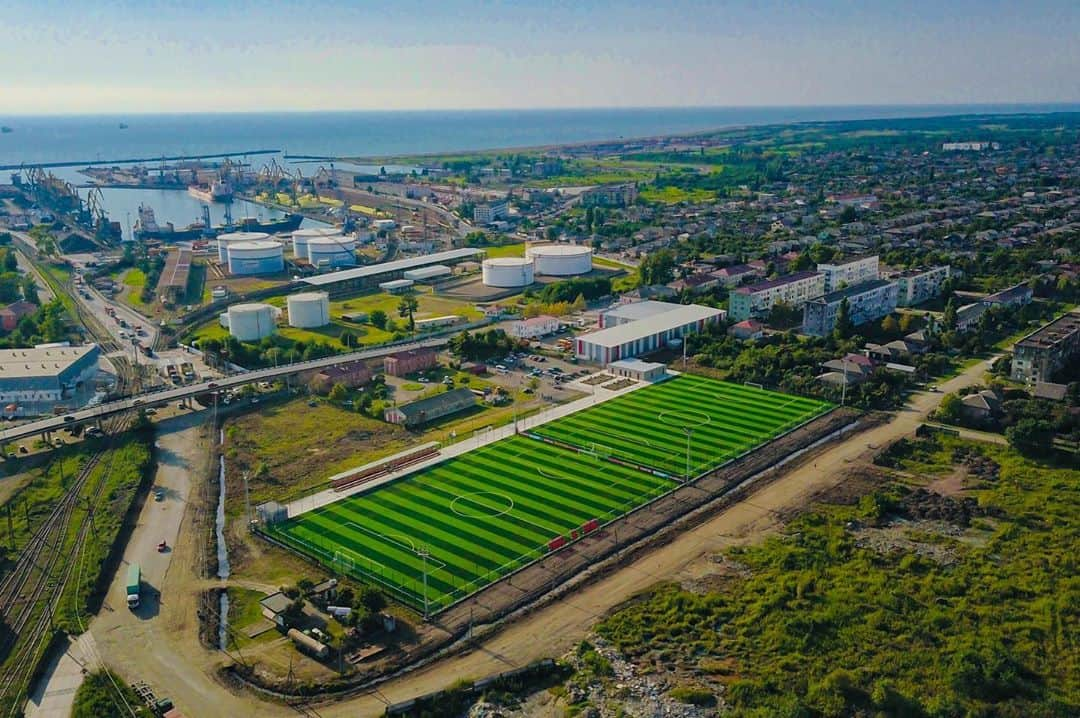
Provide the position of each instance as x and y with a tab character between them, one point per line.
270	351
482	345
569	290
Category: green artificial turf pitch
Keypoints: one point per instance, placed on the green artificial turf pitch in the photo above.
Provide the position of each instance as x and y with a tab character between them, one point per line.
649	427
480	516
477	517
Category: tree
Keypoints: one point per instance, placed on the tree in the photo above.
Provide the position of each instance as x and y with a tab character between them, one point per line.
29	290
950	408
378	318
890	326
347	339
907	323
1030	435
371	599
339	392
844	326
11	263
950	315
407	308
657	268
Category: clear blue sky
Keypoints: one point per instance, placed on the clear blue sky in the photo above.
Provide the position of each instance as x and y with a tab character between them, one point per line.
228	55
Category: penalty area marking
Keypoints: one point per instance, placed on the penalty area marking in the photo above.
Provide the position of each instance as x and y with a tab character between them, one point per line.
670	417
492	512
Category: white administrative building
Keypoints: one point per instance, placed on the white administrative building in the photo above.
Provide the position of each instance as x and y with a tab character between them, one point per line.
645	335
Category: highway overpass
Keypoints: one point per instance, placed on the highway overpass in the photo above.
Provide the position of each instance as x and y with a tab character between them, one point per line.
166	395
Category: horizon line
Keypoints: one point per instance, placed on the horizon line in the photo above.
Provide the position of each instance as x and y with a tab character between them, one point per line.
592	108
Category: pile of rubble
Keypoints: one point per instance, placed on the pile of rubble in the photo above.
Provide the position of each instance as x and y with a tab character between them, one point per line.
626	692
923	505
977	465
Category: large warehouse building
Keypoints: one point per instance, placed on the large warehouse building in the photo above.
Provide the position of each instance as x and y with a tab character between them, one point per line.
644	335
45	373
634	311
349	281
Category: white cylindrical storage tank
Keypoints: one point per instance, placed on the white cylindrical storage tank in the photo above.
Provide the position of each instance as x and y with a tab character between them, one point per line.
251	322
507	272
301	237
224	241
309	309
332	251
261	257
560	260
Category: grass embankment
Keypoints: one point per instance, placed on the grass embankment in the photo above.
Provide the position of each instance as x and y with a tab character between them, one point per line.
821	621
105	695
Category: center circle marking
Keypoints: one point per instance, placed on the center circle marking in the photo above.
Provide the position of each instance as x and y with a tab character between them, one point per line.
482	512
691	419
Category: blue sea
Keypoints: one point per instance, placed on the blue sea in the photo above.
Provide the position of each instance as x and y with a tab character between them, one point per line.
97	138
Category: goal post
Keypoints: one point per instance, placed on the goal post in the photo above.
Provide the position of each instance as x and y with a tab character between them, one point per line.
754	384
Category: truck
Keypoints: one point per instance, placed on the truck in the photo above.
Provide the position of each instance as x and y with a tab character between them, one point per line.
134	580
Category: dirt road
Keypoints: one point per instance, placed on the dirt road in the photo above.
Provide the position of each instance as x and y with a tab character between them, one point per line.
158	642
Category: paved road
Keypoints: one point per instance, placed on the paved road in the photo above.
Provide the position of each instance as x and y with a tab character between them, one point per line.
167	395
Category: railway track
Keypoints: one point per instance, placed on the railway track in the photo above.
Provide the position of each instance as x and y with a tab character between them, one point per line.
31	593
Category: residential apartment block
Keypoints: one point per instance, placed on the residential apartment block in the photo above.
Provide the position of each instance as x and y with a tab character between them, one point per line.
755	300
916	286
866	302
615	195
1040	354
488	213
854	270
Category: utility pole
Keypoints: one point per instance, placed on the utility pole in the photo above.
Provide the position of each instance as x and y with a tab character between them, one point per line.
424	555
843	386
247	503
689	432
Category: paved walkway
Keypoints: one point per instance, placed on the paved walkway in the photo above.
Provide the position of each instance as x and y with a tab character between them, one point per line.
481	437
54	695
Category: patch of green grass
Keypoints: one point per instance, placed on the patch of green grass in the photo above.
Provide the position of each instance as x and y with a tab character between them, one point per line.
106	695
244	608
412	386
506	250
675	195
135	280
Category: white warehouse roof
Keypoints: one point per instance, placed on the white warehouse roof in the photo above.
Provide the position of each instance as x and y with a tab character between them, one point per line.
395	266
640	310
435	270
624	333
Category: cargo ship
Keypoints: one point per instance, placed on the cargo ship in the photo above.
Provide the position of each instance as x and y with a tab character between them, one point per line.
146	227
216	192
